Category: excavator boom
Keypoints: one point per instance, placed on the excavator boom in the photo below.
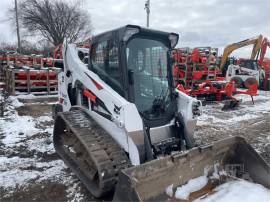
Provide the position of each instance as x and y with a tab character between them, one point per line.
264	46
256	41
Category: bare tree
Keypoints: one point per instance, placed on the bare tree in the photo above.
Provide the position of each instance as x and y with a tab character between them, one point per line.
55	20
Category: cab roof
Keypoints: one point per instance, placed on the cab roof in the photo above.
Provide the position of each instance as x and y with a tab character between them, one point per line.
119	34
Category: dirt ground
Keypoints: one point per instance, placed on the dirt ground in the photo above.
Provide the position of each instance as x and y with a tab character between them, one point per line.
32	171
256	132
42	187
248	121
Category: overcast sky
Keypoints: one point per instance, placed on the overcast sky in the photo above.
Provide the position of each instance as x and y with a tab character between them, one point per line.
199	22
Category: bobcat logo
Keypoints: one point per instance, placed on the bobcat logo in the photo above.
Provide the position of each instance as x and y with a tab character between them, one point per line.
117	109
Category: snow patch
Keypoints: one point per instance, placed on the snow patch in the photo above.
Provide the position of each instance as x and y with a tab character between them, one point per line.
43	145
239	190
15	102
31	96
49	130
26	96
16	128
246	111
14	171
44	119
206	119
34	137
236	118
73	193
193	185
169	190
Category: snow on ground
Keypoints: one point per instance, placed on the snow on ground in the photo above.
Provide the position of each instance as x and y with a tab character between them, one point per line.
246	111
15	102
44	119
31	96
249	120
28	158
14	171
238	190
234	190
17	128
25	96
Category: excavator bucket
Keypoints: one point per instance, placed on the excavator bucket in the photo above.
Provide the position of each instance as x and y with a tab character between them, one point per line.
148	182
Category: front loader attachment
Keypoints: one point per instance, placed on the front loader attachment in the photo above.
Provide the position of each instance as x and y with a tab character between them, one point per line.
148	182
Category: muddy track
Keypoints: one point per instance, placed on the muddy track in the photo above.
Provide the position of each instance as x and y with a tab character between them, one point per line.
45	191
34	110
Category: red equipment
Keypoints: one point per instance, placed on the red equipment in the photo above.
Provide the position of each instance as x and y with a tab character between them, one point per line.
194	66
219	91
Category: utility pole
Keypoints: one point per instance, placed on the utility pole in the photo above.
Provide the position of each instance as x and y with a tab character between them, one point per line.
18	28
81	4
147	8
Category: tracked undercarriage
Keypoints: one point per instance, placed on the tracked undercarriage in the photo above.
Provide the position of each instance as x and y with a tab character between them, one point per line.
89	151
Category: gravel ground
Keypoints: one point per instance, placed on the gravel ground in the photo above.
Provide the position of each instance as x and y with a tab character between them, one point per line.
31	170
249	120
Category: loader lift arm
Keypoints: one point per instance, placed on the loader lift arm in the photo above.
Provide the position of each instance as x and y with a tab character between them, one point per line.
256	41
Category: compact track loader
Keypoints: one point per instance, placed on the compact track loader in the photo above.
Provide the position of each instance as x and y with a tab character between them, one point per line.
121	123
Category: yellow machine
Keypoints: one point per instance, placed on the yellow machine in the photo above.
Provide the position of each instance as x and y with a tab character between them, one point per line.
256	41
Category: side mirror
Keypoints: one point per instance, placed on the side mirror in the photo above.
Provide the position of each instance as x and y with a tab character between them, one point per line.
68	74
130	77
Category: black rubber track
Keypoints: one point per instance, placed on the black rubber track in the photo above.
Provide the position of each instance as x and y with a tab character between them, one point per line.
89	151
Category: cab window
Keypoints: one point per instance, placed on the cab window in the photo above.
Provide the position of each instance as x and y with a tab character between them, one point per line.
105	63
